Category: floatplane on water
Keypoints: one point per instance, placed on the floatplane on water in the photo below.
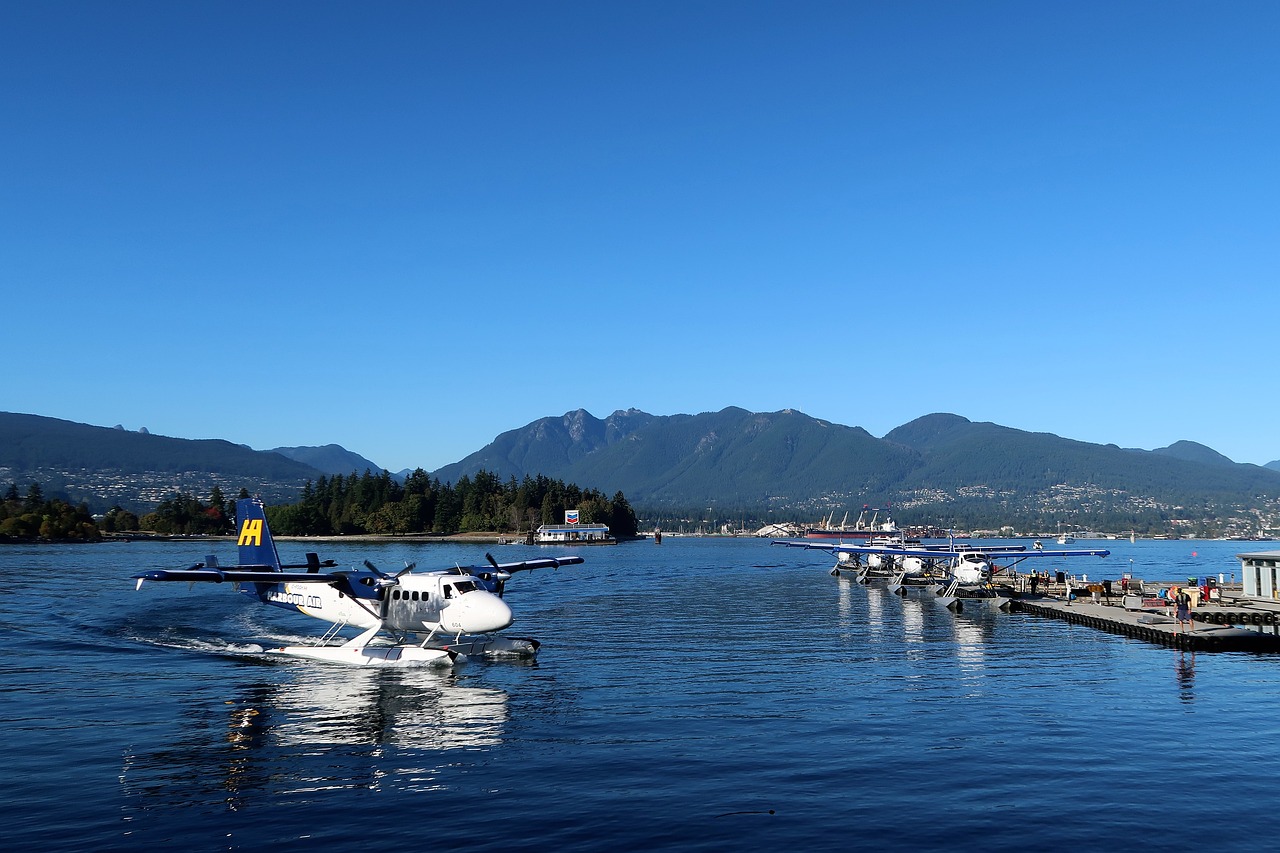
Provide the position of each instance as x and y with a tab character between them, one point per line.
434	617
955	572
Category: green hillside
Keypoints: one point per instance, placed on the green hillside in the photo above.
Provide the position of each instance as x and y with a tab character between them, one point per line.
938	469
105	467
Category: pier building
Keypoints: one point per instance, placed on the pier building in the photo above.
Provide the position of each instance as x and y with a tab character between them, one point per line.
1260	575
574	534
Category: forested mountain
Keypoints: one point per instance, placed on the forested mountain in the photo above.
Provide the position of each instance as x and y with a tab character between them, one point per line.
940	468
955	452
331	459
732	456
1194	452
103	466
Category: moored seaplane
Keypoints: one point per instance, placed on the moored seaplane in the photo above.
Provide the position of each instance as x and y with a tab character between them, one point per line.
955	572
878	557
432	617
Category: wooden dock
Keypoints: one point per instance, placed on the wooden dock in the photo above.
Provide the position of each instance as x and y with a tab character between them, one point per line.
1232	625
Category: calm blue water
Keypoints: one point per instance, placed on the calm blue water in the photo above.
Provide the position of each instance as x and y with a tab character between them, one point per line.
698	695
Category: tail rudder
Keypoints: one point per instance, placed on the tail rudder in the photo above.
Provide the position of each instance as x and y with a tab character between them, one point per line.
256	545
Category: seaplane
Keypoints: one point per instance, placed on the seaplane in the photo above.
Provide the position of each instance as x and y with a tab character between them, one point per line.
955	572
878	557
432	617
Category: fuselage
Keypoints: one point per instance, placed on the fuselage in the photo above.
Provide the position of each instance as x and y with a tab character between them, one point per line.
970	567
413	603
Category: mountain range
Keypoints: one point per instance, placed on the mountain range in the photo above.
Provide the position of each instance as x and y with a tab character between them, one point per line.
939	467
105	467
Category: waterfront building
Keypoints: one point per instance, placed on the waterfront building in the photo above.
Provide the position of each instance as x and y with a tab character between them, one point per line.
572	532
1260	574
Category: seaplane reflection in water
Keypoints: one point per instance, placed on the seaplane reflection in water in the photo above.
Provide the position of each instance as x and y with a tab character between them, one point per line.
421	709
875	608
912	621
955	572
436	617
969	641
407	727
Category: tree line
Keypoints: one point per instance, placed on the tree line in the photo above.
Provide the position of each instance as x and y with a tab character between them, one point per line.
338	505
346	505
33	517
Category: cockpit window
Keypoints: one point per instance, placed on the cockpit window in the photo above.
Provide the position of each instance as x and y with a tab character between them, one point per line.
465	586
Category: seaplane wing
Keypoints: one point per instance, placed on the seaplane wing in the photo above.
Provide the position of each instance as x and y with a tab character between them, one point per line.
808	546
914	550
933	552
237	574
494	576
900	550
999	553
1008	558
530	565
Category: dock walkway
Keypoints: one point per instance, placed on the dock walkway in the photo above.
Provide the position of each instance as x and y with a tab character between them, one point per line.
1232	625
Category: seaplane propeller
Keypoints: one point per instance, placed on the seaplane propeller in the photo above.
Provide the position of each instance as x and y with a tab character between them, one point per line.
385	579
499	576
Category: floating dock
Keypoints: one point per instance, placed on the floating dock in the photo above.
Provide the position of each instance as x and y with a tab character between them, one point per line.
1241	625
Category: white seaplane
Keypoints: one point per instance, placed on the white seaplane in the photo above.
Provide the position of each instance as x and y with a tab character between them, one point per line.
954	571
433	617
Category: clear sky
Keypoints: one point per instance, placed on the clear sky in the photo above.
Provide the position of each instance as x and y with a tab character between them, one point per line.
407	227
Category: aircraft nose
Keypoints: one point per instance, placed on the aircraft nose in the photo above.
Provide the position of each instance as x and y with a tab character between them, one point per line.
486	612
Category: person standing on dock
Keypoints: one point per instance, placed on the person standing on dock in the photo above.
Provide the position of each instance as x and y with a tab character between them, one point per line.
1182	601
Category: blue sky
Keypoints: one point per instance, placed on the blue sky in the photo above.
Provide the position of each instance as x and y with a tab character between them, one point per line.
408	227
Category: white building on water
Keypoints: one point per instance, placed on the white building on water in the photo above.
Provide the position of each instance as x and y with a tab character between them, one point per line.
1260	575
574	533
